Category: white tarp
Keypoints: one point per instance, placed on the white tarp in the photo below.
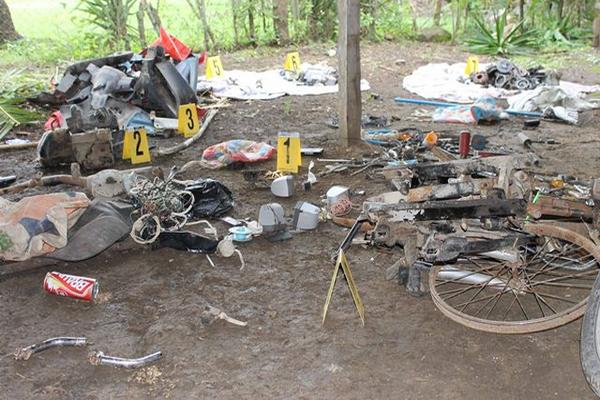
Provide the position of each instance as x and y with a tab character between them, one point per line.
248	85
448	82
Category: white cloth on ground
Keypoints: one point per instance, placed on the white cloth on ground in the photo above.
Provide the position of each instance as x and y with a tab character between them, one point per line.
271	84
448	82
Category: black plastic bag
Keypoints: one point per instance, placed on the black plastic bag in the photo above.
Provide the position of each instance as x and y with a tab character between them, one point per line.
186	241
211	199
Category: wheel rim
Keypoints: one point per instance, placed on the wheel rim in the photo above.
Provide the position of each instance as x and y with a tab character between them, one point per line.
547	287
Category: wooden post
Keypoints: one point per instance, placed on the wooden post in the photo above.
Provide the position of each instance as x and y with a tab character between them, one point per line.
349	103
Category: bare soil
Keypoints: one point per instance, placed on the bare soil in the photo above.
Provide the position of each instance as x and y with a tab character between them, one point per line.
152	300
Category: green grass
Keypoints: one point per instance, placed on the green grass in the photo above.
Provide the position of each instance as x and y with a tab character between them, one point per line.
55	32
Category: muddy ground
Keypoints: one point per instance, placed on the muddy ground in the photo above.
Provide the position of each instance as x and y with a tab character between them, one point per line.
152	300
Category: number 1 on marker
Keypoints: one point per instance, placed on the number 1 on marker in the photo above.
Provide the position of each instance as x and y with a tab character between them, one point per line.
289	156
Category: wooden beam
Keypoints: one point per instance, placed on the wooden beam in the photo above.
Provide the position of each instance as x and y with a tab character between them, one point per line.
349	102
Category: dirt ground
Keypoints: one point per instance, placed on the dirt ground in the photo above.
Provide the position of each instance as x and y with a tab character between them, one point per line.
152	300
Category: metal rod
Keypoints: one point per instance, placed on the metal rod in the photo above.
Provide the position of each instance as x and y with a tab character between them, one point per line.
444	104
26	352
99	358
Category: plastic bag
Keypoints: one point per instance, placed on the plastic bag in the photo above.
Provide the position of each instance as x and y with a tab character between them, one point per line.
211	199
483	109
246	151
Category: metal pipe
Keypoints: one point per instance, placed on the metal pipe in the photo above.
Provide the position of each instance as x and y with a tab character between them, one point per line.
456	275
511	256
444	104
26	352
99	358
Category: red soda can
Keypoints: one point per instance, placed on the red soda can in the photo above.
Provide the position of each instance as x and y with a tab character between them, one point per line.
77	287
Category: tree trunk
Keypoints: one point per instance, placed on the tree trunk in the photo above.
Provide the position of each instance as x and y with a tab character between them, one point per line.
280	21
7	28
251	27
313	18
560	9
521	10
596	28
373	22
120	33
263	16
235	10
466	16
209	37
329	11
141	27
437	12
413	12
153	15
296	18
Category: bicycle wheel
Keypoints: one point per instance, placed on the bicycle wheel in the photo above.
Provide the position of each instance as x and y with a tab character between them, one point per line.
545	286
590	340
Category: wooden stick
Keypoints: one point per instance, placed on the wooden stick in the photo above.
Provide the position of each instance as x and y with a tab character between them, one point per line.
21	146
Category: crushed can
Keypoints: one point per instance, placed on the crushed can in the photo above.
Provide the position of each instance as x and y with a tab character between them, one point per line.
76	287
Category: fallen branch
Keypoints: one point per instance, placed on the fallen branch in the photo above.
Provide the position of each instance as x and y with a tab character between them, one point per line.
218	314
21	146
188	142
75	179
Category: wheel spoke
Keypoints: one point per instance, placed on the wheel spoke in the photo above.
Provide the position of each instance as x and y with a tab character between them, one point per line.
535	295
548	284
483	287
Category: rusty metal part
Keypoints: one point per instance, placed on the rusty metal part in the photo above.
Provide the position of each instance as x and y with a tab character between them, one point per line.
528	326
501	166
449	190
442	154
26	352
451	247
480	78
552	206
349	222
449	209
99	358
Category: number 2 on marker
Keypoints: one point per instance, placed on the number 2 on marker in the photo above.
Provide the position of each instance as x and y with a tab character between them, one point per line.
135	146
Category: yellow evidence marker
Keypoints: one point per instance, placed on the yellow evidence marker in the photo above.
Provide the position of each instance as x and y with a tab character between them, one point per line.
135	146
289	156
214	68
343	263
472	65
292	62
187	120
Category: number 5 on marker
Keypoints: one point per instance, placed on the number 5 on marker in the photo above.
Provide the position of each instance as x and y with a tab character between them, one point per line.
289	156
135	146
187	120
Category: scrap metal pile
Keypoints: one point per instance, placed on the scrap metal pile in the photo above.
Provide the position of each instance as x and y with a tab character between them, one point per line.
506	75
505	250
99	99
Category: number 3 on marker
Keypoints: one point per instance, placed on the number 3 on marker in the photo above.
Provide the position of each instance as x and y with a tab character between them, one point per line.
187	121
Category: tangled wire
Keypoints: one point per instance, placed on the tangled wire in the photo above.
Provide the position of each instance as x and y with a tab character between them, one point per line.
162	205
